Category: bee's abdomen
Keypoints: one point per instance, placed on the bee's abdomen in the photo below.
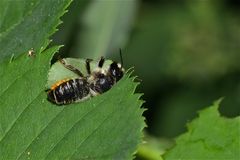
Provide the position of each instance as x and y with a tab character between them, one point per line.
70	91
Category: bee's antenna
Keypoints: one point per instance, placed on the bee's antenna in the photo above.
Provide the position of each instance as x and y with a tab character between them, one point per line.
120	52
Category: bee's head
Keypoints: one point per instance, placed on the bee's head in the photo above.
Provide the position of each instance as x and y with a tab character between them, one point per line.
116	71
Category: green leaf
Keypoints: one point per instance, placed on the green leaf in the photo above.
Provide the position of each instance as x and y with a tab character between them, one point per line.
28	24
13	12
210	136
105	127
153	148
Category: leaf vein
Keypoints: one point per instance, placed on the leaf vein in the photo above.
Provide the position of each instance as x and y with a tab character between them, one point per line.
96	157
45	127
10	127
22	75
92	132
74	126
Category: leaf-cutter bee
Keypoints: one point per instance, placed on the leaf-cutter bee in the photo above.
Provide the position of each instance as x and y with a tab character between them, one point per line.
97	81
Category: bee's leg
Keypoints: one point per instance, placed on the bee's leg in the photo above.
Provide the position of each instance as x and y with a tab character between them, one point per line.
88	66
101	62
47	90
71	68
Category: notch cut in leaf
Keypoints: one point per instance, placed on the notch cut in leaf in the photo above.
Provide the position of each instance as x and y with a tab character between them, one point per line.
108	126
59	72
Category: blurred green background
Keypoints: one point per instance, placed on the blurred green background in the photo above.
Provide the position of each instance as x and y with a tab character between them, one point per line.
186	53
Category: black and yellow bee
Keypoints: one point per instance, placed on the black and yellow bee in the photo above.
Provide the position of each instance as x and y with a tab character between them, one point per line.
97	81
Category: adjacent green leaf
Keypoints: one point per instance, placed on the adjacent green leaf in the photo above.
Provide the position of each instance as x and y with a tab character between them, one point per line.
153	148
105	127
13	12
210	136
28	24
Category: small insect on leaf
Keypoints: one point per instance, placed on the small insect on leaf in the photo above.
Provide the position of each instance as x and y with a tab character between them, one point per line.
31	52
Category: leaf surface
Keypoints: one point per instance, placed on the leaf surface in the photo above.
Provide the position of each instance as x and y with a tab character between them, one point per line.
28	24
105	127
210	136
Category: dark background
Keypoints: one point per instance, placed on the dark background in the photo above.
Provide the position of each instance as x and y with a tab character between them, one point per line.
186	53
